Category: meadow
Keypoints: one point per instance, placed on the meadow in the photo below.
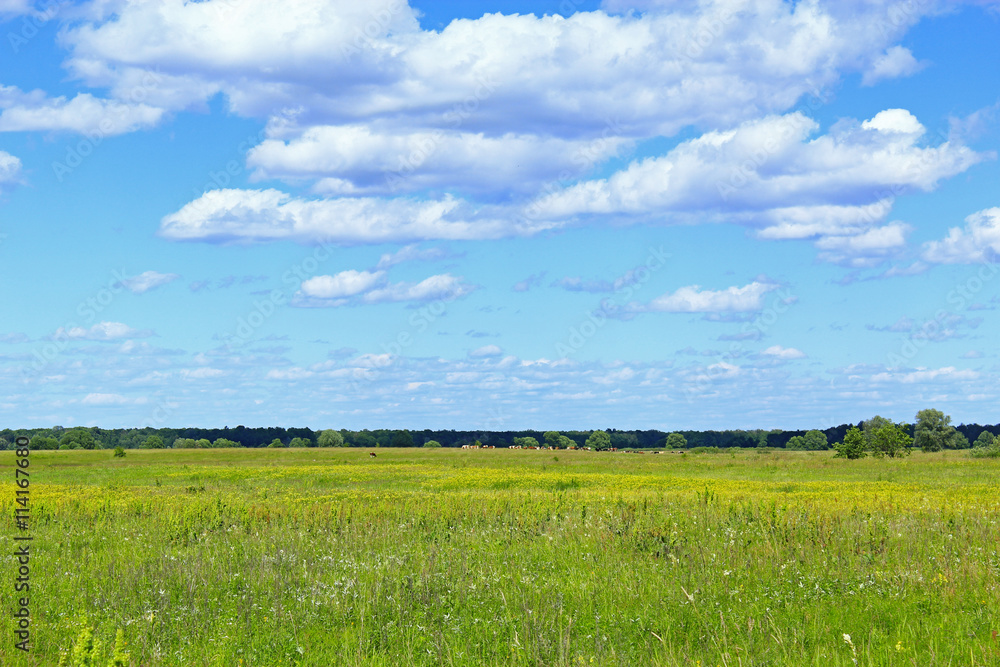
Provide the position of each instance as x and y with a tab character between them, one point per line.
509	557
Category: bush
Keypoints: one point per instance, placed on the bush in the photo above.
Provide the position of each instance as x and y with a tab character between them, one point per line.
984	451
330	438
119	452
853	446
432	443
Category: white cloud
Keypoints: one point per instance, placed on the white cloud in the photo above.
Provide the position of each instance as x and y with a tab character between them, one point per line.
486	351
358	160
356	287
84	114
896	62
653	70
946	374
693	299
267	215
866	248
356	96
784	352
412	253
978	241
10	171
102	331
768	173
148	280
343	284
895	120
444	286
204	373
106	399
14	7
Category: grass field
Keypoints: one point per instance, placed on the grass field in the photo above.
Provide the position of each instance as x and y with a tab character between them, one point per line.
510	557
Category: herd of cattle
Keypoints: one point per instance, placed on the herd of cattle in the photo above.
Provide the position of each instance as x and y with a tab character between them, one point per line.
613	449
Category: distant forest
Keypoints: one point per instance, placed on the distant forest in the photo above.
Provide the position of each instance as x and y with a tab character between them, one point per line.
241	436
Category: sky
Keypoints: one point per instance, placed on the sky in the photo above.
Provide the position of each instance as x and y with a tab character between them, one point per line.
669	214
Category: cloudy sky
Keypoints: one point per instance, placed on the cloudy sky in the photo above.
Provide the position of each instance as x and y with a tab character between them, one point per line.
498	215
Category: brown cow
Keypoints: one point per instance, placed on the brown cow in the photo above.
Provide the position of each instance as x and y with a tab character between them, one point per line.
372	454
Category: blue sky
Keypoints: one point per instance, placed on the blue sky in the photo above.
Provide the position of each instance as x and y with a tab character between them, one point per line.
672	214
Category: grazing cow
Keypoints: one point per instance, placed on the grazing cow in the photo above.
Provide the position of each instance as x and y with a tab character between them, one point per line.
372	454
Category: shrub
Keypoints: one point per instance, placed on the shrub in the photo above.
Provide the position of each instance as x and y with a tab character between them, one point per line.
984	451
432	443
119	452
853	446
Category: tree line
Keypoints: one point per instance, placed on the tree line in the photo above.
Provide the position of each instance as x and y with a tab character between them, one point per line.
931	430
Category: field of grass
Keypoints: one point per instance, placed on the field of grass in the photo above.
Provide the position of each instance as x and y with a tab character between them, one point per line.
511	557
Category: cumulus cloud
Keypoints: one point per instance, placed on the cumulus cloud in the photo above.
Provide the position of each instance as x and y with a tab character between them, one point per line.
780	352
148	280
84	113
486	351
412	253
103	331
108	399
866	249
926	375
266	215
534	280
580	70
358	160
444	286
394	109
896	62
368	287
978	241
769	173
344	284
10	171
694	299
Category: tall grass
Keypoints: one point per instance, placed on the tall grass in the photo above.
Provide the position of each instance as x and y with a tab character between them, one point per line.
327	557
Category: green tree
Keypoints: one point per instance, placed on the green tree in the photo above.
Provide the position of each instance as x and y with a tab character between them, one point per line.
675	441
402	439
432	443
43	442
330	438
184	443
301	442
624	440
551	438
816	440
364	439
985	439
225	443
276	443
599	441
812	441
853	446
984	449
153	442
934	432
884	438
203	443
566	442
78	438
526	442
958	441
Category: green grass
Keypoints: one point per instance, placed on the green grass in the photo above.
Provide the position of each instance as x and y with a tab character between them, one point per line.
501	557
